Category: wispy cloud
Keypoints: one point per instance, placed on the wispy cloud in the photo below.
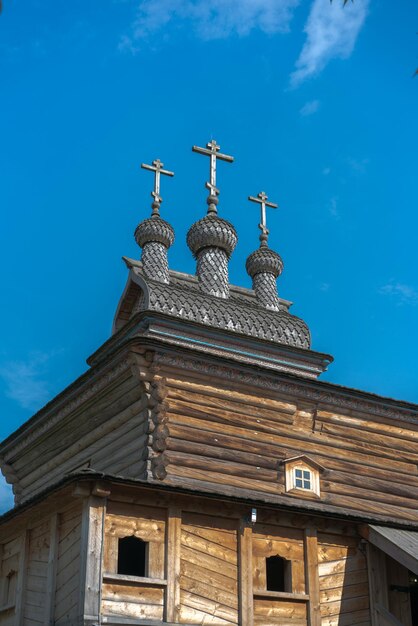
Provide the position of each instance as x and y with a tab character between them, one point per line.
310	108
26	382
401	293
6	496
358	165
332	31
326	171
210	19
333	208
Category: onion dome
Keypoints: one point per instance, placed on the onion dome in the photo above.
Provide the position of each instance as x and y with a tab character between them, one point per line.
154	229
212	232
264	261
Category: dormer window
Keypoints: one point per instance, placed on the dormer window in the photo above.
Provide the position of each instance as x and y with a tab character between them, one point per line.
302	476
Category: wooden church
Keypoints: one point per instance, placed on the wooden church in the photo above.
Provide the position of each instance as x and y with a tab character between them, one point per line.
199	473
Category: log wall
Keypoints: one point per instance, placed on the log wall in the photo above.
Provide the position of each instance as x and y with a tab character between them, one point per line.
222	439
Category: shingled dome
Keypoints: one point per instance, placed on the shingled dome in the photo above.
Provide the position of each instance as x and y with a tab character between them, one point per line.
264	260
212	232
154	229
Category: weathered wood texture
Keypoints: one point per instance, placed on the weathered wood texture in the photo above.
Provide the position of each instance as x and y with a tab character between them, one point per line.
39	571
213	436
9	579
67	584
132	596
36	587
208	571
343	581
107	433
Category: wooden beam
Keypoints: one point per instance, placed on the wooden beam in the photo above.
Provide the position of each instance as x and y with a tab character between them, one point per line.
21	577
52	570
378	585
312	576
245	574
297	597
92	537
172	564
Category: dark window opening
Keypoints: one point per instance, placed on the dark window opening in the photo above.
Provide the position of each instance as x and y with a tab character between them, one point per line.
132	556
277	574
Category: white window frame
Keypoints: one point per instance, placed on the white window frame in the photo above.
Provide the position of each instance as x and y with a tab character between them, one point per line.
290	477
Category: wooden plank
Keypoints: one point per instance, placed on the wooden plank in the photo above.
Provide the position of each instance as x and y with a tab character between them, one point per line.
208	577
397	552
91	549
399	601
245	569
21	576
51	569
378	586
132	609
138	594
280	608
312	577
173	550
212	610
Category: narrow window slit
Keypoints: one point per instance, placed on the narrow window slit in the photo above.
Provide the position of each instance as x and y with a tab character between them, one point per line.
132	556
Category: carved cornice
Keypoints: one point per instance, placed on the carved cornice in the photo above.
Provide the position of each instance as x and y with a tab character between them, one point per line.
342	399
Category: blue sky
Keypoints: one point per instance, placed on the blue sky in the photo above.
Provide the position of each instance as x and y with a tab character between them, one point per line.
317	105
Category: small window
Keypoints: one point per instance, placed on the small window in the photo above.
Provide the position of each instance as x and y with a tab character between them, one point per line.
303	479
278	574
132	556
302	476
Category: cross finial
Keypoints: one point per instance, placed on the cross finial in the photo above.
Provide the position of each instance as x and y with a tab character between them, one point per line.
157	168
262	200
212	151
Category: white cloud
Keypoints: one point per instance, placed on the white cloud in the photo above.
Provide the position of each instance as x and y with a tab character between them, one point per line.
6	496
332	31
310	108
403	294
25	380
211	19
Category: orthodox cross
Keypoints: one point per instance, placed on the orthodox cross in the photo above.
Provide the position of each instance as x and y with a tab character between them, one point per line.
262	199
157	168
212	151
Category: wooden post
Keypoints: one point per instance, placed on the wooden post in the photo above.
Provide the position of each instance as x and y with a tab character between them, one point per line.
245	574
312	577
172	564
21	577
378	585
92	538
52	570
